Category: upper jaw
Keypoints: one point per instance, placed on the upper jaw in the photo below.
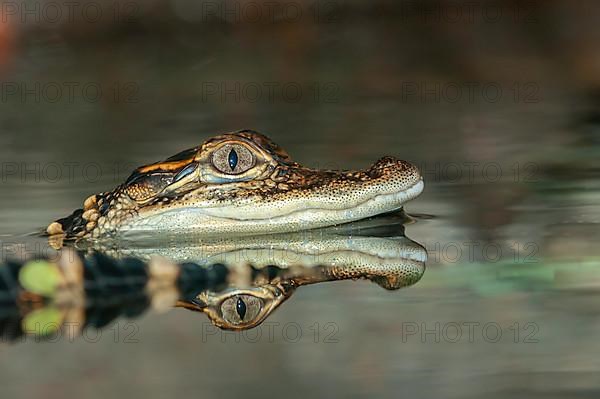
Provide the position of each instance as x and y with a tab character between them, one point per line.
306	199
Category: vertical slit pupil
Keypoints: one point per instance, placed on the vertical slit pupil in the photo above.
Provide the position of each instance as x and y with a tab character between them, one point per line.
240	307
233	159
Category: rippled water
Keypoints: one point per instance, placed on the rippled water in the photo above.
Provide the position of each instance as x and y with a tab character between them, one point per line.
509	216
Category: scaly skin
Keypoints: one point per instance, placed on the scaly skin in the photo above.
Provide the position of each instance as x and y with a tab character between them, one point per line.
255	189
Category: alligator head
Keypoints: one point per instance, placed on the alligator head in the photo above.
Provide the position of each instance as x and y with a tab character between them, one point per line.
239	184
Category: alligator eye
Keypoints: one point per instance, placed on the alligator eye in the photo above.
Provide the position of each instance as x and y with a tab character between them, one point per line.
188	170
241	308
233	159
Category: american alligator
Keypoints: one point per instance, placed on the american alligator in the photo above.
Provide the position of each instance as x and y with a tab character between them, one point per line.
239	183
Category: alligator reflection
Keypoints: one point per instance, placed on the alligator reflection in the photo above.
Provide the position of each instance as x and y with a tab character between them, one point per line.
236	282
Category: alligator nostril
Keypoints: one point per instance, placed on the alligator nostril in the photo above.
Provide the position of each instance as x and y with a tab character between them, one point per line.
387	166
387	162
382	166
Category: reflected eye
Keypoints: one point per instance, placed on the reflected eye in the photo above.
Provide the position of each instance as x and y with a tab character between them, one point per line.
233	159
241	308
